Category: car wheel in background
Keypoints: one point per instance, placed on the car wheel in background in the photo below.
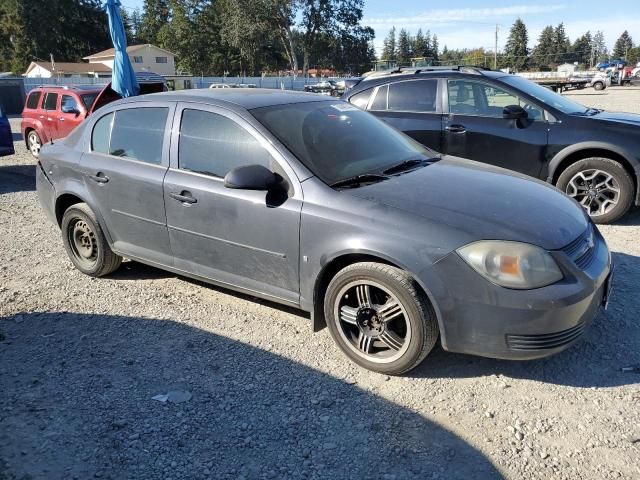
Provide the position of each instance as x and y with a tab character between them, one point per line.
85	242
598	86
380	318
601	186
34	143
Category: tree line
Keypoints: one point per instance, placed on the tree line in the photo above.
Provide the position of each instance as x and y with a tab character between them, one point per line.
209	37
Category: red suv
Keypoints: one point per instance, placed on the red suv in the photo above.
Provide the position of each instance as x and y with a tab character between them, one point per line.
52	112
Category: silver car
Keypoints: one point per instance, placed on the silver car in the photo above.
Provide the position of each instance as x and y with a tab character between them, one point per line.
307	201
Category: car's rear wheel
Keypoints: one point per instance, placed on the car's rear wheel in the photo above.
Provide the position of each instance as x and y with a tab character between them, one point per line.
598	86
34	143
380	318
85	242
601	186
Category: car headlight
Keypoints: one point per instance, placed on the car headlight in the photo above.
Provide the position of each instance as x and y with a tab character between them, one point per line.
512	264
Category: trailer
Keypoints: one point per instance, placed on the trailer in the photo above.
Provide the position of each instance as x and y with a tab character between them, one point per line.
561	84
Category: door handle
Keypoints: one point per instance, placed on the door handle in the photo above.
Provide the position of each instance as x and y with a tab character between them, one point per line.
61	119
41	117
456	128
183	197
99	178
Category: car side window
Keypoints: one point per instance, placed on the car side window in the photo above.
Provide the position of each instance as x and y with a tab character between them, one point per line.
138	134
475	98
32	101
101	135
69	102
361	100
51	101
380	100
413	96
213	144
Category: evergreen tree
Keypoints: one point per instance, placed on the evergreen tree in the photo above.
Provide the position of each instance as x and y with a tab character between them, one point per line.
418	45
156	14
599	47
545	49
434	46
581	49
136	26
622	45
128	28
516	50
389	45
404	47
562	45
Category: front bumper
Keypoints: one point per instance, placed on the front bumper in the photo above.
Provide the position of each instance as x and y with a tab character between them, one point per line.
480	318
46	194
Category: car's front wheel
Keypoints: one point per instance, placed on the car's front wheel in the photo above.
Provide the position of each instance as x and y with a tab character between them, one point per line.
85	242
380	318
598	86
34	143
601	186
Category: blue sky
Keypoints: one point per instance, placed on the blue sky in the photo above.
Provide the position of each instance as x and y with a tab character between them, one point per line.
471	24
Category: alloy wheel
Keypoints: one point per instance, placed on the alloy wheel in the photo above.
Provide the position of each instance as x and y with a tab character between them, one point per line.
34	144
372	321
596	190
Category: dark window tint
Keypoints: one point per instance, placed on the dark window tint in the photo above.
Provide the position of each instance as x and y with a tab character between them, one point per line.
361	99
51	101
68	102
213	144
380	102
138	133
32	101
413	96
101	135
88	99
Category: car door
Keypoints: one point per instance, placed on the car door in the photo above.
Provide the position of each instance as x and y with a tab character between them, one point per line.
247	239
123	172
48	115
413	107
474	127
6	137
70	115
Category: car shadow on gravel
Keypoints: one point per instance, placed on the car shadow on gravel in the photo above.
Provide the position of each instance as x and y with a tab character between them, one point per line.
609	345
632	218
78	403
17	137
17	178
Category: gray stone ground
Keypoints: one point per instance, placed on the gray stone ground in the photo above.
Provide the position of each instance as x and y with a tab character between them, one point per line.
81	359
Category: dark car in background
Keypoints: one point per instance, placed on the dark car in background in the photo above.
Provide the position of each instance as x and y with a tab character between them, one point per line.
6	137
308	201
505	120
325	87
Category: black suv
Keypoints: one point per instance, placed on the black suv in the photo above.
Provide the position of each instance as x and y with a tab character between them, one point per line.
506	120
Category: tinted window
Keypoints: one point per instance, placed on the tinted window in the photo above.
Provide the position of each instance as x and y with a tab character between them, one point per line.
361	100
69	102
101	135
32	101
413	96
213	144
380	102
88	99
336	140
51	101
138	133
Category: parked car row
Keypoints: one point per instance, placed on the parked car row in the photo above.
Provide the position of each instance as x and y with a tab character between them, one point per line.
309	201
505	120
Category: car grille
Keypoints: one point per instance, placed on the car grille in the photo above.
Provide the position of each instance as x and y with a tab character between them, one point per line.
545	341
583	249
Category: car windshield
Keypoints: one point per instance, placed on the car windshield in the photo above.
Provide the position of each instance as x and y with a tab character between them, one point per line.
337	141
545	95
88	99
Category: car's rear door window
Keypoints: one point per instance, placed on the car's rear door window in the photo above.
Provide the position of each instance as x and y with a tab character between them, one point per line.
32	100
69	102
51	101
361	100
380	101
138	134
101	135
413	96
213	144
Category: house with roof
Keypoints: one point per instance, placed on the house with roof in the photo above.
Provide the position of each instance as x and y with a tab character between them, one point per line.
40	69
144	58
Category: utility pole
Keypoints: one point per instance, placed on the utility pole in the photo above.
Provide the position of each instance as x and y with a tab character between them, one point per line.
495	51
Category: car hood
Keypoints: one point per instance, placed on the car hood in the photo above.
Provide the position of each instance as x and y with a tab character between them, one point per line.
628	118
483	202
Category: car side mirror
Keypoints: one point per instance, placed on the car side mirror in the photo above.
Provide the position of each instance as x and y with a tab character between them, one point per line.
251	177
514	112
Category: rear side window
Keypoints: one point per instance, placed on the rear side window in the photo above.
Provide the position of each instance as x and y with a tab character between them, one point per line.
69	102
138	133
32	101
413	96
361	100
380	102
51	101
214	145
101	136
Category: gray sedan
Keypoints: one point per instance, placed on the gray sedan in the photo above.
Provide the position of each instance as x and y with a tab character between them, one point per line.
307	201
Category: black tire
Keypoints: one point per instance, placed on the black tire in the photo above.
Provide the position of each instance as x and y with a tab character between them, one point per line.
419	314
598	86
98	258
620	176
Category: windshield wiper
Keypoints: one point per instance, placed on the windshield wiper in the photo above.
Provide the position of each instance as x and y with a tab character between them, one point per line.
359	180
407	165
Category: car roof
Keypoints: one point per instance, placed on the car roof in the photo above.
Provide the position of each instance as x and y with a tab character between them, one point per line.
73	88
247	98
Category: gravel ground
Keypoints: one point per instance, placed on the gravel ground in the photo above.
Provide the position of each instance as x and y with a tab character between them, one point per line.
81	359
